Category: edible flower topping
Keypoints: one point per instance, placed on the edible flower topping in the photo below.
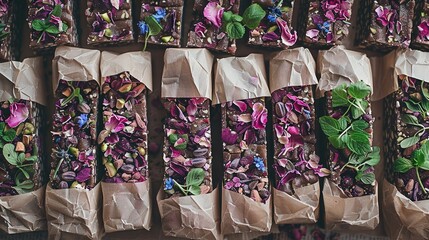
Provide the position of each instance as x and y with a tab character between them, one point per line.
214	12
18	114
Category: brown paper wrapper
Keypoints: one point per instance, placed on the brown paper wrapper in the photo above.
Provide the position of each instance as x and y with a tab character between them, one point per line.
138	64
239	78
74	213
127	206
23	213
23	80
243	214
349	214
75	64
338	66
290	68
194	217
404	218
187	73
383	73
301	208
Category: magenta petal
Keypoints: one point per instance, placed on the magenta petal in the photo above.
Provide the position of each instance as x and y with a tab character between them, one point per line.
293	130
229	137
176	112
174	152
288	177
329	37
288	38
83	175
179	169
115	123
192	107
200	29
18	114
271	36
112	139
241	105
214	12
279	130
259	116
249	136
313	34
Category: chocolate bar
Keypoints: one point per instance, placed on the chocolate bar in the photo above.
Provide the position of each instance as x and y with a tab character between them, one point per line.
421	26
384	24
275	30
209	33
124	136
245	148
9	40
52	23
187	147
161	23
74	158
109	22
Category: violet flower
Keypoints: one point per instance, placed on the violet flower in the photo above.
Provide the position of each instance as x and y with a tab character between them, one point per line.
259	116
115	123
288	38
83	175
424	30
271	36
18	114
235	182
385	16
214	12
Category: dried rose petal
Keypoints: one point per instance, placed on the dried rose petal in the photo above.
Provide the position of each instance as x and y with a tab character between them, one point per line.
213	12
18	114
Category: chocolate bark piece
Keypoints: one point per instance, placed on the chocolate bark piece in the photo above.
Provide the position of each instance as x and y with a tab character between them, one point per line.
245	148
10	19
124	100
169	18
324	25
187	145
205	34
421	26
399	108
384	24
268	33
108	23
74	132
52	24
294	120
22	158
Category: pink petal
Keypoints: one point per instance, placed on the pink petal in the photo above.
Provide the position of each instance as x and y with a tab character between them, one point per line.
329	37
115	123
293	130
191	109
313	34
246	118
279	130
200	29
214	12
259	116
288	38
330	15
241	105
18	114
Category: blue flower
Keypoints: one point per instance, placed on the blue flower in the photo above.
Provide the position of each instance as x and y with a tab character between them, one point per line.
259	163
82	119
275	12
160	14
144	28
168	184
272	18
326	27
307	113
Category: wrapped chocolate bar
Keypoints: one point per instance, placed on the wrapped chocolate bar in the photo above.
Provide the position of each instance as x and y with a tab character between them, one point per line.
384	24
187	202
324	23
73	199
161	22
241	88
52	23
350	192
126	80
109	22
275	29
421	26
10	19
22	124
296	164
406	193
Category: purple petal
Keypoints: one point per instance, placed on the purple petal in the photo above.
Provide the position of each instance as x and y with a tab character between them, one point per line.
83	175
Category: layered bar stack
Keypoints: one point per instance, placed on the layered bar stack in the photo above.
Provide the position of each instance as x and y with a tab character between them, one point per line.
421	26
109	22
9	40
161	22
52	23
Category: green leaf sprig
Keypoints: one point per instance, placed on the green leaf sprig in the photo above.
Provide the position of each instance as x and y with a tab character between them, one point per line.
419	160
6	135
412	120
75	94
194	179
154	29
234	24
361	163
352	97
419	103
48	27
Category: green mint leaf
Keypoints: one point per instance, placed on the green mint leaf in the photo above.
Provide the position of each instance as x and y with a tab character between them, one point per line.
10	154
425	148
154	26
52	30
425	91
356	159
330	126
359	90
342	121
408	142
360	125
194	190
65	27
2	126
367	178
57	11
38	25
236	18
357	112
337	142
409	119
227	16
425	104
235	30
412	106
32	158
339	96
9	135
402	165
27	176
173	138
20	159
418	158
195	177
358	143
253	15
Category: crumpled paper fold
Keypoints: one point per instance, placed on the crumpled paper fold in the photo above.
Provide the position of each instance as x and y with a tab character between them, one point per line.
187	73
292	67
238	78
74	213
384	75
349	214
138	64
242	214
404	219
127	206
338	66
300	208
194	217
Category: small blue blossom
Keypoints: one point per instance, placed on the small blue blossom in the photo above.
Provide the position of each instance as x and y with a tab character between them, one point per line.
307	113
143	27
275	12
160	14
168	184
82	119
259	163
325	27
